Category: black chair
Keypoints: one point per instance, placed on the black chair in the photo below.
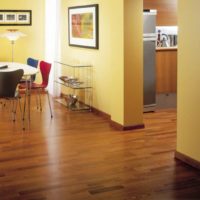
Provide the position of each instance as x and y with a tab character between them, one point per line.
33	63
8	84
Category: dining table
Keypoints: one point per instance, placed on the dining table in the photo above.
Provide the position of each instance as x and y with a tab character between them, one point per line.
12	66
28	72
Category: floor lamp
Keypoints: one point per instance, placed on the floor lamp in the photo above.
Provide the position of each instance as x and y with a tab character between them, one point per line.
13	35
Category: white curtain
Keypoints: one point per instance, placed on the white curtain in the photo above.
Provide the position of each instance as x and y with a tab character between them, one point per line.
52	40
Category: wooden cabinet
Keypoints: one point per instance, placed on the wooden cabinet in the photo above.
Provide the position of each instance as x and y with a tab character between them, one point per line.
166	70
166	11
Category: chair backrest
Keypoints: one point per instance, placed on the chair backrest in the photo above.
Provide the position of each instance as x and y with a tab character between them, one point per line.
33	63
8	82
45	69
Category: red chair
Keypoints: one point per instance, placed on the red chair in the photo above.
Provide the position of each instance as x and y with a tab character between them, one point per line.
45	69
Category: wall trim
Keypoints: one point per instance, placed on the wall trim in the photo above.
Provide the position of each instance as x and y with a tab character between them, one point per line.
101	113
188	160
115	124
126	128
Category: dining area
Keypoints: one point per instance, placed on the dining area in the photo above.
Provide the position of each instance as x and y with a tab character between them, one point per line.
25	70
18	90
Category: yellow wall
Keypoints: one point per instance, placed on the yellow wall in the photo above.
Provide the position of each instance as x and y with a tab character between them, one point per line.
109	72
33	44
133	62
188	131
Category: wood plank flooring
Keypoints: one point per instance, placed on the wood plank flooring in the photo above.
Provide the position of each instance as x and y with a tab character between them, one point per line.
78	156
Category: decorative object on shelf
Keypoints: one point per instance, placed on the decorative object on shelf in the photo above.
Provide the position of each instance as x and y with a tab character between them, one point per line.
72	80
159	43
64	78
77	83
15	17
83	26
69	80
13	35
71	100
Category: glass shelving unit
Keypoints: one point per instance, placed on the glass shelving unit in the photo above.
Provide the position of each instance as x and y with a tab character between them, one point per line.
76	85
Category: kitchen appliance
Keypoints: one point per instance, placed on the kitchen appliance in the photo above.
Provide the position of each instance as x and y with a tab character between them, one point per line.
165	40
173	40
149	46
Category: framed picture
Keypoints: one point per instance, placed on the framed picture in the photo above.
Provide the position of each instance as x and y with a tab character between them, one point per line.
15	17
10	18
1	17
23	18
83	26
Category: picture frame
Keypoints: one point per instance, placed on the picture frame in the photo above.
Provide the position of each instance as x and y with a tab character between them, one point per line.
2	18
83	26
10	17
15	17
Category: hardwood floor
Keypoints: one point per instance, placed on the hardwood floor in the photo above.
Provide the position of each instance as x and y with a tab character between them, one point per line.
78	156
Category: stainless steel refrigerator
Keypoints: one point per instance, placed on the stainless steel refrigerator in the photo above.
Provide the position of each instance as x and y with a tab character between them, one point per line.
149	47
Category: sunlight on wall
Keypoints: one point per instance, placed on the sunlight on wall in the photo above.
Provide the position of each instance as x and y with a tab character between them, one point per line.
188	127
52	40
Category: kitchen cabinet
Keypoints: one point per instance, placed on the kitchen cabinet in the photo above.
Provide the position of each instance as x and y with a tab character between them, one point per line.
166	70
166	11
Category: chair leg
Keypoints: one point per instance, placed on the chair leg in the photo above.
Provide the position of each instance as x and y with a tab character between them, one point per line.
14	109
49	104
29	104
20	107
22	114
13	106
25	96
40	100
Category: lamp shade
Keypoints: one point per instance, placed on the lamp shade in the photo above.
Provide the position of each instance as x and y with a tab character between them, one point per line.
12	34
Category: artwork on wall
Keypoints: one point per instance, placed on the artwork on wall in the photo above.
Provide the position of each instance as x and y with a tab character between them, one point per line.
15	17
83	26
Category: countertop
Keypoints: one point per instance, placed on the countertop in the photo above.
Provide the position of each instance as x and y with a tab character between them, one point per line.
166	48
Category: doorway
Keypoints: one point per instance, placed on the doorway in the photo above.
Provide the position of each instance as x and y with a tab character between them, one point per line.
166	53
